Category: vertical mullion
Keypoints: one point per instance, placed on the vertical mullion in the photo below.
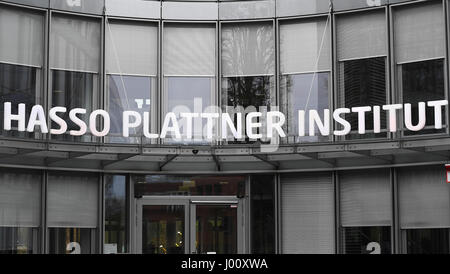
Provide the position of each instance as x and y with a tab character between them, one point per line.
132	217
280	216
389	77
446	68
102	95
101	214
275	212
43	230
396	223
332	68
337	210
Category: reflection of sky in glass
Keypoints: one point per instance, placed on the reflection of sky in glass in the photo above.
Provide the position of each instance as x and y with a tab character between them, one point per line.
298	90
182	92
135	97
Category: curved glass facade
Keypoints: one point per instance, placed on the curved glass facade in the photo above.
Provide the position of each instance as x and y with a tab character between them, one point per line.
381	192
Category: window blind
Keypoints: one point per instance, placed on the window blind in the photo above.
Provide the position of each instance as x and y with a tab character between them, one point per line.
419	32
307	213
74	44
131	48
424	197
72	200
361	35
20	199
300	47
189	50
366	198
21	37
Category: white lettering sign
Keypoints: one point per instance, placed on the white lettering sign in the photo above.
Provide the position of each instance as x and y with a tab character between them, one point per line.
259	125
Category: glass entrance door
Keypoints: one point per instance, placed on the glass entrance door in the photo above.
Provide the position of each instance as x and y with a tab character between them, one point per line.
178	225
215	228
162	226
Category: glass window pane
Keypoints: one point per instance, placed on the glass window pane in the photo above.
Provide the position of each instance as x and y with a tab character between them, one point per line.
189	50
248	49
131	48
427	241
20	211
422	82
361	35
19	240
21	37
19	84
305	46
262	229
419	32
128	93
424	197
71	241
367	240
115	214
362	82
74	90
188	185
304	92
189	94
75	44
251	93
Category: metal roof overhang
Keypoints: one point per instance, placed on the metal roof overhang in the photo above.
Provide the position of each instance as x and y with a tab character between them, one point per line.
107	158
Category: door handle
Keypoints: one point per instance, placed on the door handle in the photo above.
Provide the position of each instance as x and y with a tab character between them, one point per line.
215	202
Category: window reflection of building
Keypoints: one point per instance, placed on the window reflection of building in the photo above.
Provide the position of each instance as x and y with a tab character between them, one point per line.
181	185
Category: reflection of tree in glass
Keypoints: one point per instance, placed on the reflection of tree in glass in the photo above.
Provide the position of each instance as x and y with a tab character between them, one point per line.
248	49
248	91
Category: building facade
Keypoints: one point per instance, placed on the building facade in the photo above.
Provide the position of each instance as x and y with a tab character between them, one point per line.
382	192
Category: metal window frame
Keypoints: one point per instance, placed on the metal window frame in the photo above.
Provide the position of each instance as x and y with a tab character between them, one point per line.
98	88
330	71
337	63
396	69
164	78
155	79
274	90
394	212
41	82
96	234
